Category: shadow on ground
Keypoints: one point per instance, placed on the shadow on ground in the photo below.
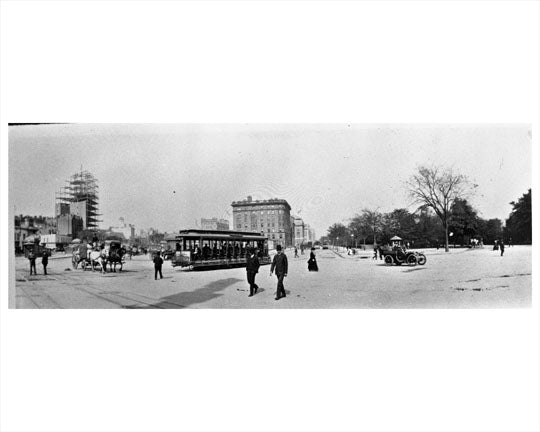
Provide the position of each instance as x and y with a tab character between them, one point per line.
185	299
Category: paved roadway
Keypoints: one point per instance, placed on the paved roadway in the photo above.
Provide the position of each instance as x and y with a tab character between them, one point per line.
462	278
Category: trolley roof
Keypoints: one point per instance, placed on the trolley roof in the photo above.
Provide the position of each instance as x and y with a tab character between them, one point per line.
217	235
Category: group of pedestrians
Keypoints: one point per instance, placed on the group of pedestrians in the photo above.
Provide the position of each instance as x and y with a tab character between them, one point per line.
280	266
32	256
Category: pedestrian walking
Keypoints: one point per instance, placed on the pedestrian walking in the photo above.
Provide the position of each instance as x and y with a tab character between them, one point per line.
280	265
312	261
32	259
252	268
501	247
302	249
158	262
45	261
295	252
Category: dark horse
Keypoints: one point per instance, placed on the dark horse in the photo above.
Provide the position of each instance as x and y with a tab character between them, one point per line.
115	257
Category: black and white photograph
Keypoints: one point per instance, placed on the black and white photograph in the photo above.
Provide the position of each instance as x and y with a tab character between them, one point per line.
336	216
269	216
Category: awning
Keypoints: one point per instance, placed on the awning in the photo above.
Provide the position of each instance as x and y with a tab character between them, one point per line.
31	239
396	238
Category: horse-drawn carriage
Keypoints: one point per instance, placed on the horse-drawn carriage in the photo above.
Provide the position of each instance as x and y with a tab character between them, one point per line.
109	253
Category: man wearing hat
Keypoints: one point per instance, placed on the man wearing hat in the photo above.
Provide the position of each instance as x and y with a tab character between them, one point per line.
280	264
252	268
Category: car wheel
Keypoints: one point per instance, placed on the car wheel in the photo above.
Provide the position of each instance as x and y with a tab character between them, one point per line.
411	260
421	259
388	260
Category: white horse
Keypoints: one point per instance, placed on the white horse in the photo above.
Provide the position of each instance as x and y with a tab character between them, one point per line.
96	257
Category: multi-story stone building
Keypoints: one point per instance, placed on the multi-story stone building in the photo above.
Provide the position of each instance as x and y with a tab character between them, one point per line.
127	230
215	224
271	217
298	230
302	233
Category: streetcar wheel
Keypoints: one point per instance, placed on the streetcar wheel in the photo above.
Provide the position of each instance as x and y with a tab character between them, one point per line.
411	260
388	260
421	259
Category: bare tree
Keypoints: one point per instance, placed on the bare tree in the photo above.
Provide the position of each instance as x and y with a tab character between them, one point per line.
438	187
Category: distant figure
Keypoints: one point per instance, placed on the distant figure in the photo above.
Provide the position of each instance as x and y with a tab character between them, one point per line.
45	261
501	245
312	262
280	264
510	244
95	240
380	253
302	249
158	262
32	259
295	252
375	253
252	268
495	245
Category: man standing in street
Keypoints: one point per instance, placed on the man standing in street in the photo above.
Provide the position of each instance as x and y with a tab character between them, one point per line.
280	264
45	261
252	268
501	246
32	259
158	262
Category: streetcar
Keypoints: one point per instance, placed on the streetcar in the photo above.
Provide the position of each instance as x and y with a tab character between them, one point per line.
208	249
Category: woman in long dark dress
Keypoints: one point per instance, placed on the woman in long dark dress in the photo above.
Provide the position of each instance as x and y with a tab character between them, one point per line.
312	262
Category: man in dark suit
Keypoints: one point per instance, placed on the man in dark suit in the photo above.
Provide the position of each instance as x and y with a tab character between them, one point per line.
280	264
252	268
45	261
32	259
158	262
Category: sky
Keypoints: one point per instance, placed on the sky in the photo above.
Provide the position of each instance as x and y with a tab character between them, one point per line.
169	176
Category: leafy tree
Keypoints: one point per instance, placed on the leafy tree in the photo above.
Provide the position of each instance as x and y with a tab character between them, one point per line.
429	230
367	224
519	223
490	230
338	233
463	221
438	188
402	223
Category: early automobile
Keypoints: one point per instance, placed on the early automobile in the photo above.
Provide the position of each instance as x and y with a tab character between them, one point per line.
398	255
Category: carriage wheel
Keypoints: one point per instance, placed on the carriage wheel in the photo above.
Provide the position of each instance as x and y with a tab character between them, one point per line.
411	260
388	260
421	259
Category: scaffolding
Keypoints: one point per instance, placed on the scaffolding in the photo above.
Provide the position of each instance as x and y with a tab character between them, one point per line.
81	188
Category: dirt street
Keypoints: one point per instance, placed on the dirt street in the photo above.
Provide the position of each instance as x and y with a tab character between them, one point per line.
462	278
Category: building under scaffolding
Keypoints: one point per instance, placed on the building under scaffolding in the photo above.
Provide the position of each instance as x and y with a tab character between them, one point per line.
80	198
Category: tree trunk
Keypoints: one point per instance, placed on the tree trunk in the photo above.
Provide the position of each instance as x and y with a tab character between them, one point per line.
446	248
